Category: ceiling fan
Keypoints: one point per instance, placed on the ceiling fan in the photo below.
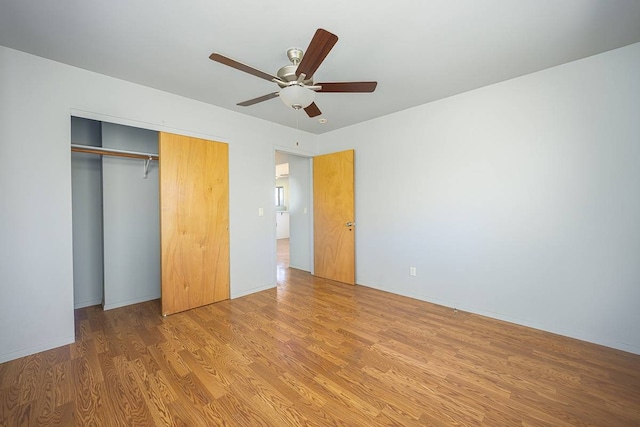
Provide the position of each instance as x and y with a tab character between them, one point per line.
297	88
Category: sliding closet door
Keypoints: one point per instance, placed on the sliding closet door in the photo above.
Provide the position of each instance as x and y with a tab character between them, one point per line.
194	222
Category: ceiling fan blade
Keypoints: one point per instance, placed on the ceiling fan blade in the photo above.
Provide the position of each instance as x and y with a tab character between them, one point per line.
258	99
347	87
320	46
240	66
312	110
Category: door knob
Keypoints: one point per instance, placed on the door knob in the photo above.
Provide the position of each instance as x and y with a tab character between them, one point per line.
350	224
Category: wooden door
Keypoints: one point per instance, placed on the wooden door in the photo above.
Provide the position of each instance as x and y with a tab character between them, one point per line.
333	212
194	222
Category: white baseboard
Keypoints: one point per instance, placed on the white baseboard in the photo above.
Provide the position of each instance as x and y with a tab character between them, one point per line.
252	291
36	349
129	302
87	303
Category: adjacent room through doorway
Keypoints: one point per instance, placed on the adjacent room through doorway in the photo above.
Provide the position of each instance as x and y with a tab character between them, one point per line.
292	198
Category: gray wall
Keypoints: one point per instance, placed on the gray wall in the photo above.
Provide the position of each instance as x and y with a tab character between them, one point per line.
300	221
86	183
116	255
131	219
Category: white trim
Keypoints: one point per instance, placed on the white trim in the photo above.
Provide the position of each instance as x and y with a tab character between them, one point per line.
312	254
253	291
36	349
106	307
88	303
294	151
569	333
299	268
144	125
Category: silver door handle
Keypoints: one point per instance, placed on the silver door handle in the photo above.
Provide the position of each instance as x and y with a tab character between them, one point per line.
350	224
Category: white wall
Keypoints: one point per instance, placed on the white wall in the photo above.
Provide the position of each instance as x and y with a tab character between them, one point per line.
282	225
37	98
131	218
86	177
519	201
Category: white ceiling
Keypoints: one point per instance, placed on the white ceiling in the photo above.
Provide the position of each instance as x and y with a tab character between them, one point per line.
417	50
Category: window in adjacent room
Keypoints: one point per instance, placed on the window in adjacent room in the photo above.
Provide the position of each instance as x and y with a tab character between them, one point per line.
279	196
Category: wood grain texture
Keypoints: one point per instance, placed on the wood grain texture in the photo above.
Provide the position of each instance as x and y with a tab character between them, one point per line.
314	352
318	49
333	208
194	222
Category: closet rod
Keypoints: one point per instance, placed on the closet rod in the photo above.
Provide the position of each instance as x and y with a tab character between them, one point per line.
112	152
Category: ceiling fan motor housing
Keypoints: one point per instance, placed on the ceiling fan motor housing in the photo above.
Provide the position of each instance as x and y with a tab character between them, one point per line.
287	74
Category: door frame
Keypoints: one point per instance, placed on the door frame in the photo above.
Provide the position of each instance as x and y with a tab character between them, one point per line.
145	125
309	156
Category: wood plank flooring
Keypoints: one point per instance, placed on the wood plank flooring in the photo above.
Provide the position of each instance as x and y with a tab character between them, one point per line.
318	353
283	254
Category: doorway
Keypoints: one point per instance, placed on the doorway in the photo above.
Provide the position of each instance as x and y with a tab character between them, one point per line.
293	208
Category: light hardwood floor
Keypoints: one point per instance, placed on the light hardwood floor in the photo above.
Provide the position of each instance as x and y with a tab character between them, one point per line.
283	253
316	352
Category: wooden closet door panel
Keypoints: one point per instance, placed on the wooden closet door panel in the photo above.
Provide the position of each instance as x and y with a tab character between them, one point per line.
194	222
334	216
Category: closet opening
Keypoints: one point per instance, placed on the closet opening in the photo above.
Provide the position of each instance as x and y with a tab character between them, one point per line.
115	211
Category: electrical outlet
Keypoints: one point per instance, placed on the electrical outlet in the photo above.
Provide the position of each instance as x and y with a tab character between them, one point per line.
260	211
412	271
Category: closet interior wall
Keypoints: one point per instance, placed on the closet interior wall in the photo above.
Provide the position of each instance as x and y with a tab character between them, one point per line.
301	211
131	218
86	193
123	233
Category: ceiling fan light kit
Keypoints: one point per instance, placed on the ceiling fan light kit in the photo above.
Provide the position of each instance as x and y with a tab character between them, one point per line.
295	80
297	96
